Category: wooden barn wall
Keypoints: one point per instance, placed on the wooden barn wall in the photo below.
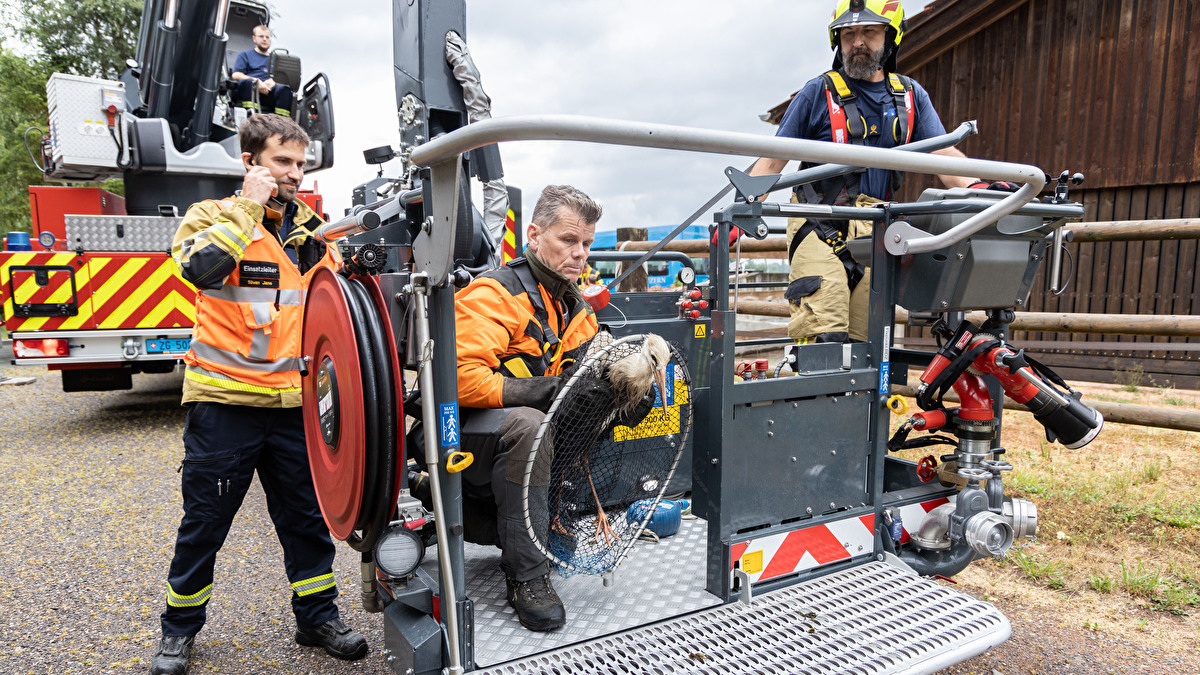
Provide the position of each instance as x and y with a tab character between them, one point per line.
1110	88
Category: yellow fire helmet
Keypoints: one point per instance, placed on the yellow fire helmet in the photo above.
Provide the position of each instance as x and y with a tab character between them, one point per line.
868	12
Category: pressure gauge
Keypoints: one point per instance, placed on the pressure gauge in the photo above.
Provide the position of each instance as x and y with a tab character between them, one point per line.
687	276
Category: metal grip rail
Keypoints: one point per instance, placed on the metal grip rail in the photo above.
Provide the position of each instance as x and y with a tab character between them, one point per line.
900	238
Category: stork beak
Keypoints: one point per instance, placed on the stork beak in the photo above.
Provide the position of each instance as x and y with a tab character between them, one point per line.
660	378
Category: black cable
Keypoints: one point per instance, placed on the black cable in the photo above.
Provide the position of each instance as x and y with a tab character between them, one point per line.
40	165
366	357
112	131
385	411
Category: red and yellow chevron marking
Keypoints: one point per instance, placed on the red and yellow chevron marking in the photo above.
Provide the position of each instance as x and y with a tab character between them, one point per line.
788	552
508	247
114	290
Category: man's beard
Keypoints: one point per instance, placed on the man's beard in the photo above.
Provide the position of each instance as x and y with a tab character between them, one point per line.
288	196
861	64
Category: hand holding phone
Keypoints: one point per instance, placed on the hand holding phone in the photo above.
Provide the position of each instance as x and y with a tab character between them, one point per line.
259	185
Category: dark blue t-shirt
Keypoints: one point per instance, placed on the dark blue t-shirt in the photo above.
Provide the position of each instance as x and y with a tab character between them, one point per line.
808	118
253	64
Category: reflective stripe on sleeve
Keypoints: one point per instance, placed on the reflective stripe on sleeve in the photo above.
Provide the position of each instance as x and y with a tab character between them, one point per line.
194	600
221	230
313	585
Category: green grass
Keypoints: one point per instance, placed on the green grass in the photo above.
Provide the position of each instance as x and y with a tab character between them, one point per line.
1101	584
1050	572
1140	582
1150	473
1176	599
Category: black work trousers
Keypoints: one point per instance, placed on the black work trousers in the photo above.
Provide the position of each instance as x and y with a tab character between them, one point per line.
495	476
224	446
278	100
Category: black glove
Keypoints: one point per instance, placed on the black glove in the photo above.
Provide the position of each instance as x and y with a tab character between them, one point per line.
1000	185
638	413
530	392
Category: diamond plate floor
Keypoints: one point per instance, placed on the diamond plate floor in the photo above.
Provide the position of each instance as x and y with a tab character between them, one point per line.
656	581
873	619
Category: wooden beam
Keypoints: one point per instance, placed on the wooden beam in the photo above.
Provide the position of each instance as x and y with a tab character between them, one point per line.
1049	322
1119	413
1136	230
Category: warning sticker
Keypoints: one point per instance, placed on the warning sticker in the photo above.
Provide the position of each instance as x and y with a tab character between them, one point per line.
449	423
657	422
700	330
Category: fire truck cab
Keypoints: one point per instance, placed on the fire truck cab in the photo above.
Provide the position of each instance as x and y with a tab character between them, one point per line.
92	290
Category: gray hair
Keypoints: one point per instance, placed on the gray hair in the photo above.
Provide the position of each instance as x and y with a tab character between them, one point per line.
556	197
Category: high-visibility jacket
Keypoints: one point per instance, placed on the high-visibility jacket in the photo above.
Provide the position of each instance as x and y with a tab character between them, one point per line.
509	325
247	337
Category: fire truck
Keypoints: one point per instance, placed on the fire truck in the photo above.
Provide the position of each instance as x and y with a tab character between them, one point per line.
813	549
92	290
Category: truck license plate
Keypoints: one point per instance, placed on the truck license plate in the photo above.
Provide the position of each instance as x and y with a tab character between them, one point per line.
168	345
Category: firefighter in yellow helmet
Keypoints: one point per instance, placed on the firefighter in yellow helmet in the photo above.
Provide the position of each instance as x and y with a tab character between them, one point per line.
862	100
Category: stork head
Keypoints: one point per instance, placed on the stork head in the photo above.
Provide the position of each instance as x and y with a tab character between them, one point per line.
632	376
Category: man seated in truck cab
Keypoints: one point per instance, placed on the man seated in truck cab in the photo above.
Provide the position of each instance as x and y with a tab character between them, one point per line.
252	72
518	327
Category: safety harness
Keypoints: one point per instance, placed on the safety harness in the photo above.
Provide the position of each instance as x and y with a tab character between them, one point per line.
847	125
517	278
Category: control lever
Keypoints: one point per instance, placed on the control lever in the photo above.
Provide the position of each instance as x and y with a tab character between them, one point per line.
1060	197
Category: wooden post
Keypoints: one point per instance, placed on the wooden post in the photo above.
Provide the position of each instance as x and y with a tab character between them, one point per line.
637	281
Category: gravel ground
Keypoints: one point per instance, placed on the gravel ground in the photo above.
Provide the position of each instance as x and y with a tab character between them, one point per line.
88	511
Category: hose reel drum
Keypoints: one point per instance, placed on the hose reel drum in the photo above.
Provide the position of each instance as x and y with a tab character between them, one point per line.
352	406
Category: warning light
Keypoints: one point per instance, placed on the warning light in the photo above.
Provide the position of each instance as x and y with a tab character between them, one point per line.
40	348
597	295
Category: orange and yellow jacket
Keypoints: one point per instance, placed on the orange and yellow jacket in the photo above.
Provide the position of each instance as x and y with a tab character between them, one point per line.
509	325
250	306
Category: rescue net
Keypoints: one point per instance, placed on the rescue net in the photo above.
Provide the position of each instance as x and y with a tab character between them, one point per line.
613	437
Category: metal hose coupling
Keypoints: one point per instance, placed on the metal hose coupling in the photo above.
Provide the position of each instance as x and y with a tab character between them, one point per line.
985	531
371	601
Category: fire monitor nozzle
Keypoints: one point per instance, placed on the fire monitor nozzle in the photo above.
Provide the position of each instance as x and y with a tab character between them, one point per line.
1067	419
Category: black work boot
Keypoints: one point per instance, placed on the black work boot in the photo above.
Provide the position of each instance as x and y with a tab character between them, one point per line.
538	606
336	638
172	655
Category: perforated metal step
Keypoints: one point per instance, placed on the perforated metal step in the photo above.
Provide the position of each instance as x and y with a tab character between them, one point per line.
872	619
135	234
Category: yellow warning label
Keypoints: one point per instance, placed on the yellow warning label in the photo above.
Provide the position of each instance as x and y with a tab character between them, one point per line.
700	332
752	562
657	422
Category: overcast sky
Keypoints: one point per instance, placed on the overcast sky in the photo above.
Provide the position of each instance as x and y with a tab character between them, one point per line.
701	64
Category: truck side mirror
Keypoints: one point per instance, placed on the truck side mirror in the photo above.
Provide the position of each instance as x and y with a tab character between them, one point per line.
315	116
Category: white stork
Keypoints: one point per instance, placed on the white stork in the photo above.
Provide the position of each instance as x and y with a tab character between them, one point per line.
631	374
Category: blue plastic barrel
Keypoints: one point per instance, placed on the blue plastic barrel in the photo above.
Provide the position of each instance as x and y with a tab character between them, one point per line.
17	241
